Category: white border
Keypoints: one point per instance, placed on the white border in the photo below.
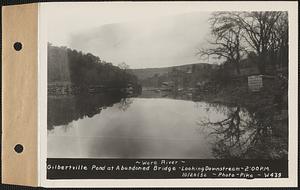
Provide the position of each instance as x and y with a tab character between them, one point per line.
291	7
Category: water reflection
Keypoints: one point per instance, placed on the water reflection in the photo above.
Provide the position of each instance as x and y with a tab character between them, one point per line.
149	128
125	103
247	135
64	109
156	93
156	125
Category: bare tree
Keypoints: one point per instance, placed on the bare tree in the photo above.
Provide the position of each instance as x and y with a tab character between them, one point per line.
227	39
279	38
123	66
258	28
264	32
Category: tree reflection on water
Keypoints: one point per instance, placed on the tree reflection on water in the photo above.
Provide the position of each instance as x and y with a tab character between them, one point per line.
246	135
234	131
124	103
64	109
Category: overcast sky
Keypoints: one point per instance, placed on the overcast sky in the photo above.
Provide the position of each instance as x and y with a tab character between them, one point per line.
142	35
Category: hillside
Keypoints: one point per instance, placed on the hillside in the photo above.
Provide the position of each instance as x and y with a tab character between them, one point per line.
150	72
70	66
184	76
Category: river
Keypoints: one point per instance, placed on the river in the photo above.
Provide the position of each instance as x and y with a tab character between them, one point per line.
111	126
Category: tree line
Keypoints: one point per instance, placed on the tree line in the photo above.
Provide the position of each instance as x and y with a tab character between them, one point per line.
84	69
259	36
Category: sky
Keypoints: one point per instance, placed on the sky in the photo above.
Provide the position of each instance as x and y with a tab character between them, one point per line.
143	35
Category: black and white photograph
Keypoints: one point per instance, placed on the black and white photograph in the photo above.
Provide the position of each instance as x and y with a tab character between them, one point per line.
167	85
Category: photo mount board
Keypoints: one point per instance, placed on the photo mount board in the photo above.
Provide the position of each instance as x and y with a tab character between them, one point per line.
19	94
20	101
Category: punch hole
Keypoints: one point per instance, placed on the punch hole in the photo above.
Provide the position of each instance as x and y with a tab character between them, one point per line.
19	148
18	46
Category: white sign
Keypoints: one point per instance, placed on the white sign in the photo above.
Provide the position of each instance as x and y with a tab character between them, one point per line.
255	83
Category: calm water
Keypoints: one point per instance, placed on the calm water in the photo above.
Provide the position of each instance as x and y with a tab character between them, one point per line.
139	127
111	126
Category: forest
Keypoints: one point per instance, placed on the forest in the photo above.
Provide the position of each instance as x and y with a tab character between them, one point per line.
72	67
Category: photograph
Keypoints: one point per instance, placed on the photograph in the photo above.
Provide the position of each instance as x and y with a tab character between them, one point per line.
172	85
169	94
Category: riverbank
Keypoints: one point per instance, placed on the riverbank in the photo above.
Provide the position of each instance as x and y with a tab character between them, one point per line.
69	89
269	107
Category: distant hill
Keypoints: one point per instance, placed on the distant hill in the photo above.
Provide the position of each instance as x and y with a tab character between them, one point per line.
150	72
185	75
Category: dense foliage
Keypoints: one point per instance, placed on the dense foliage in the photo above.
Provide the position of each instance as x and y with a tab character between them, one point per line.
71	66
